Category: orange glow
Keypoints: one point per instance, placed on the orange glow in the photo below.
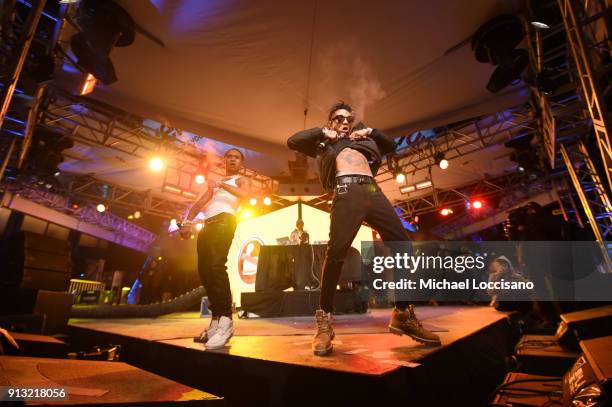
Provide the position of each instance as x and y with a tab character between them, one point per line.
89	84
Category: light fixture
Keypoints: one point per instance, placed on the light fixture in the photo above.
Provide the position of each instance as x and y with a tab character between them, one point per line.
137	215
446	211
253	201
400	177
245	214
199	226
267	201
159	258
57	173
200	179
441	160
89	84
476	204
156	164
100	208
130	217
173	223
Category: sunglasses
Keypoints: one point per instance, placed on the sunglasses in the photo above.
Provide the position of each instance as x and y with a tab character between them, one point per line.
340	119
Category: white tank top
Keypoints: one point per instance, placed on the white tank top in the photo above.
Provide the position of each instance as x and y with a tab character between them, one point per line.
222	201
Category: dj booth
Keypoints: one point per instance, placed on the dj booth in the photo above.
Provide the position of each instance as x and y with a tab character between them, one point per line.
299	267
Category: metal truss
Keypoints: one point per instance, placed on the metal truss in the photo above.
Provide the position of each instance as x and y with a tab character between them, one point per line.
93	123
575	19
512	189
125	232
90	189
452	197
465	138
592	195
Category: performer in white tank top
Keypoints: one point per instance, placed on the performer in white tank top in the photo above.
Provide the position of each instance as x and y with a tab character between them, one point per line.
220	203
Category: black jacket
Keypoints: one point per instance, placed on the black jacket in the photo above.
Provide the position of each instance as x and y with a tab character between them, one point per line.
313	143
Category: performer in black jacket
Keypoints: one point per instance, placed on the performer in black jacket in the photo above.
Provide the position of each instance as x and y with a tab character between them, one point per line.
348	159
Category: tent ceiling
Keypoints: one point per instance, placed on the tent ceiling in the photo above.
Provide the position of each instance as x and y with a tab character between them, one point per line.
243	72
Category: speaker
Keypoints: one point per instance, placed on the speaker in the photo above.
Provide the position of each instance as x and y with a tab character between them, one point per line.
590	379
54	307
587	324
543	355
33	261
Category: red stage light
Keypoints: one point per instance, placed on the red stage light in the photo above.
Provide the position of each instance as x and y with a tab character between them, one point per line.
476	204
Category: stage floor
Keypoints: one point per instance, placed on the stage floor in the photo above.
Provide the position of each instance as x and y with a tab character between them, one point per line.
362	344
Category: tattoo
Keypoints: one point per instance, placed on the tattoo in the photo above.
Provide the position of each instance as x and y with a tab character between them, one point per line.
352	160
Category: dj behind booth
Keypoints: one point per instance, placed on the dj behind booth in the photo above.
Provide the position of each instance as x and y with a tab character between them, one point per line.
289	276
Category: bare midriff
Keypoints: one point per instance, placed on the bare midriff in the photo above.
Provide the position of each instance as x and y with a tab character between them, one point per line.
351	161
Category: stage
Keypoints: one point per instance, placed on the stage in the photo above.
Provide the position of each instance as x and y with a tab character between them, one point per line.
269	361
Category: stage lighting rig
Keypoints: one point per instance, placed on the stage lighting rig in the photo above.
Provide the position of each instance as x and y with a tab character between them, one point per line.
524	154
441	160
104	25
46	153
494	43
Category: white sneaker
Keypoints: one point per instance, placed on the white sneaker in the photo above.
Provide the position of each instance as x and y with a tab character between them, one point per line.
225	330
208	333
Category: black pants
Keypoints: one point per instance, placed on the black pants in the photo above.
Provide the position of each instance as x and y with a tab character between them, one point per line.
214	242
352	204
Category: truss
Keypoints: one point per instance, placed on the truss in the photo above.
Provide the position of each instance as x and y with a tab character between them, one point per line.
124	232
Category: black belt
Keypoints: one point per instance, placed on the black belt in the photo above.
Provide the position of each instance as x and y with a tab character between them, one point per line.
355	179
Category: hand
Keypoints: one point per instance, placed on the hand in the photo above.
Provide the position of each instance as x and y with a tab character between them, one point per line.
360	134
330	134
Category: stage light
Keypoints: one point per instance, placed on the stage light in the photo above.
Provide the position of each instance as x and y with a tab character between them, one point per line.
441	161
199	226
156	164
423	185
476	204
494	43
267	201
105	25
100	208
192	237
245	214
377	235
159	258
130	217
200	179
57	173
173	223
446	211
330	202
400	177
137	215
253	201
75	206
88	85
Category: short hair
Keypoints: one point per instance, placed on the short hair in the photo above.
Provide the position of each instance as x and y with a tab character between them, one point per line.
337	106
234	149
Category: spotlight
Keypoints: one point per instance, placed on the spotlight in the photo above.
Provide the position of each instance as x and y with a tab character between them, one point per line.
88	84
446	211
441	161
57	174
377	235
476	204
199	226
130	217
192	237
400	177
137	215
253	201
173	223
159	258
267	201
494	43
200	179
75	206
245	214
543	14
156	164
105	25
100	208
